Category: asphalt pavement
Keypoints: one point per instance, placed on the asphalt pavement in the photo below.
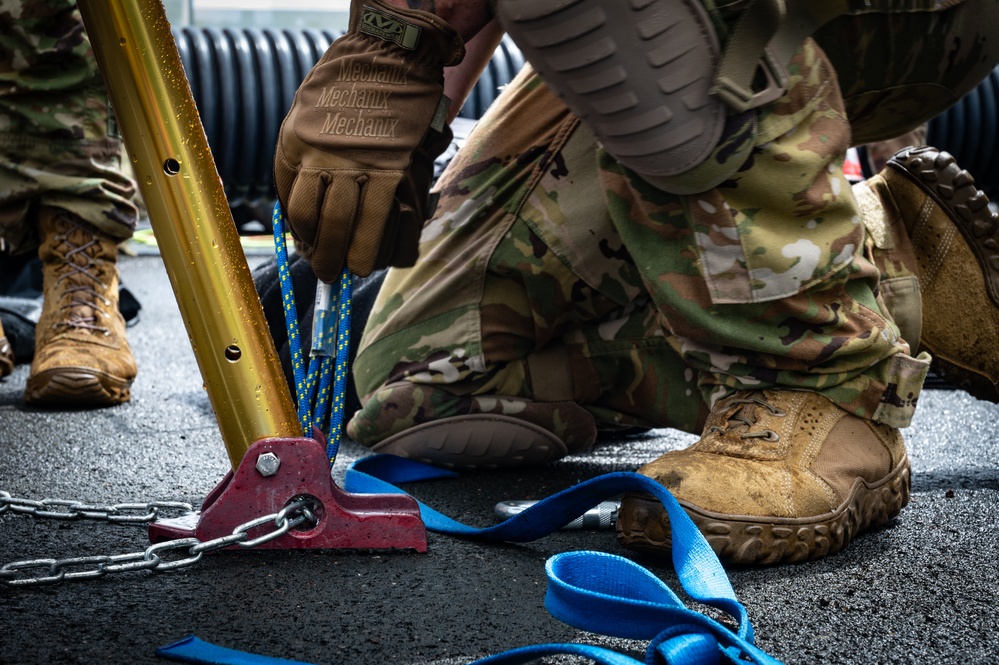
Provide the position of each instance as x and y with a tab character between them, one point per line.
922	589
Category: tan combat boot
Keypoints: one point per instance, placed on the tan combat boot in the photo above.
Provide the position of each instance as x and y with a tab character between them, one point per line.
82	357
778	475
6	355
955	241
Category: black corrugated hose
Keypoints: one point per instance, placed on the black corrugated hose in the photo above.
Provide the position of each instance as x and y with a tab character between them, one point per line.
244	80
968	130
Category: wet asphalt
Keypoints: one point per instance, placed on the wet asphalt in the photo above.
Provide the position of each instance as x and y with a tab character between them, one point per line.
922	589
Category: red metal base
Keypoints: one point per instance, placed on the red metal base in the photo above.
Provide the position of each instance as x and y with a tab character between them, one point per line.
346	521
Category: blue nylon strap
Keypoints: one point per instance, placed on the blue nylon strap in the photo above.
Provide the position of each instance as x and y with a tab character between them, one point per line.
192	650
591	591
599	655
607	594
696	564
599	592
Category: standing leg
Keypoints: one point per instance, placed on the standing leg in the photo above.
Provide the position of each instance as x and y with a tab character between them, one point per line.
62	190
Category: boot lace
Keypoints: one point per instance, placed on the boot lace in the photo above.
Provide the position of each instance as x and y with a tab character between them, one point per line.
745	417
81	297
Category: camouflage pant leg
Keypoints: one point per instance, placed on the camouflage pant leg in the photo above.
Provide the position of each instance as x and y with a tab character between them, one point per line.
524	301
899	65
56	143
888	247
763	281
722	267
897	70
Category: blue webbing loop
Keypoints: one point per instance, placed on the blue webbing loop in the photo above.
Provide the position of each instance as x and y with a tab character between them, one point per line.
697	566
594	591
194	650
326	375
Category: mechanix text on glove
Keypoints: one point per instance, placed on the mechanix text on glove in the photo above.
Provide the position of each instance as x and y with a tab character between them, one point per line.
344	151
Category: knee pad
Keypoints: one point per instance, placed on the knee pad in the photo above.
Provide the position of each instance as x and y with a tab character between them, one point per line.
653	82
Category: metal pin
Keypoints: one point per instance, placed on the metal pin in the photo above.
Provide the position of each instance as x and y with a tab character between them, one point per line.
602	516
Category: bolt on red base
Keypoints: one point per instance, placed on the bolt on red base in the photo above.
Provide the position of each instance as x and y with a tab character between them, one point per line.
276	472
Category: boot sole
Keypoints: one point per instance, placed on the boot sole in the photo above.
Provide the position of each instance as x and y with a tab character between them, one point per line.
754	541
954	190
478	441
649	103
77	386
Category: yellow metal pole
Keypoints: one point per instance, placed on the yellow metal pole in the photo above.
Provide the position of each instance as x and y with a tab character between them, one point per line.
191	219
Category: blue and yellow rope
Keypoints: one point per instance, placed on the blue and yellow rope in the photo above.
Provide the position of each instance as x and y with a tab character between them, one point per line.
342	361
325	373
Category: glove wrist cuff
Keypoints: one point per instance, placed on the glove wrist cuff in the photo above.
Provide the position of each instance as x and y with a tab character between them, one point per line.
410	29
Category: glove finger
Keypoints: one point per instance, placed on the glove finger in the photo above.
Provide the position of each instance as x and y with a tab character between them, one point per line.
374	213
301	207
340	204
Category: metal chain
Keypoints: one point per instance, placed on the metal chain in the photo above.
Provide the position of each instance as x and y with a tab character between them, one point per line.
33	572
61	509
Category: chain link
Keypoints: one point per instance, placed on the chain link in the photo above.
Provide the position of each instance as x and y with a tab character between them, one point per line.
61	509
156	557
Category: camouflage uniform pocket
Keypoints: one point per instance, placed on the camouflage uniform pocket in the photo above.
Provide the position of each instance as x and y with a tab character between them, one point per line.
787	221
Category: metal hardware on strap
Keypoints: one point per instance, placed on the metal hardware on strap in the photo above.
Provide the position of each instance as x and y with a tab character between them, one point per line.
764	39
745	52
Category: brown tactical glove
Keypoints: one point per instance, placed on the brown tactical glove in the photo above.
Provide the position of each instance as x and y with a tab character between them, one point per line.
373	103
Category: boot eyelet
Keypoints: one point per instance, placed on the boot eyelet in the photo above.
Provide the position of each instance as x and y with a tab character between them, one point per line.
767	435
